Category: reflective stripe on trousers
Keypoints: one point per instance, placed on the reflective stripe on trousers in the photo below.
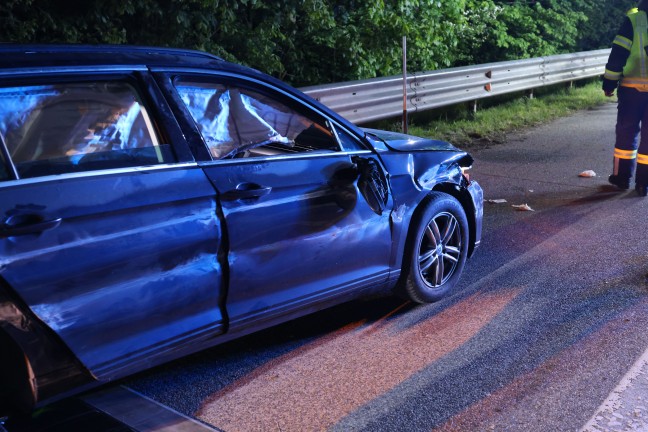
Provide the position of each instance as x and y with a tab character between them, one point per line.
628	149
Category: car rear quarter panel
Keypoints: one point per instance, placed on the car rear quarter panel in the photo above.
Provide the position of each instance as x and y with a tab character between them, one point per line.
35	364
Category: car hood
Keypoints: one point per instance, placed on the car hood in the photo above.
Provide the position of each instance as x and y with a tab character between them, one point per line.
408	143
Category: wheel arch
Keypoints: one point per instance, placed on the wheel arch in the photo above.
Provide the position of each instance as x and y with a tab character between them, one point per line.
464	198
19	391
38	366
418	215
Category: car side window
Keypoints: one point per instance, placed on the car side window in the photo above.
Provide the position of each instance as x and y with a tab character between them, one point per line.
71	127
348	142
239	122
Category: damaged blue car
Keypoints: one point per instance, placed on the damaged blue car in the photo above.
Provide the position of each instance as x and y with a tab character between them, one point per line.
155	202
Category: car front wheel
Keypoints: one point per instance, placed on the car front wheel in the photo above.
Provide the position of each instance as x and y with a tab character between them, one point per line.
437	249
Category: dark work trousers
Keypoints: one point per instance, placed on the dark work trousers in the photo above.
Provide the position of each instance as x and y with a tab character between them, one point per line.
632	114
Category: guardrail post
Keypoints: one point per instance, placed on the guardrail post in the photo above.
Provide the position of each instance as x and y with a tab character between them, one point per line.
405	84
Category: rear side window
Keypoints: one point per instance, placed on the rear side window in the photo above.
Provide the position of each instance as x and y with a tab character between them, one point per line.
62	128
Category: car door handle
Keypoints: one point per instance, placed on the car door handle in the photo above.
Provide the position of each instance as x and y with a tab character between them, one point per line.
246	191
27	224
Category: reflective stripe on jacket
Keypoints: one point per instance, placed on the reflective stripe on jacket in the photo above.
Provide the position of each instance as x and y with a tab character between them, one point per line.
635	71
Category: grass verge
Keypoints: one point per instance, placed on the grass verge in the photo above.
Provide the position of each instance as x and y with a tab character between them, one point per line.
498	117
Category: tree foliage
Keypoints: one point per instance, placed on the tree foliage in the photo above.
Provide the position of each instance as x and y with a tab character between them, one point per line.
318	41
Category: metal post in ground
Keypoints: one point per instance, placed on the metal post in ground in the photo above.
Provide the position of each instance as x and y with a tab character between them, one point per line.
404	84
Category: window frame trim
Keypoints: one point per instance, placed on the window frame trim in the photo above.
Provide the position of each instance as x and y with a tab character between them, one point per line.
140	169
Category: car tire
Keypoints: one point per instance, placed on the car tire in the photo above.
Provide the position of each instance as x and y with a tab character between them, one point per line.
436	249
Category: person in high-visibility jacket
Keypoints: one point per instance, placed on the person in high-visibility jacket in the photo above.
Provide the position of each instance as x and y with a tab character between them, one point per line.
627	69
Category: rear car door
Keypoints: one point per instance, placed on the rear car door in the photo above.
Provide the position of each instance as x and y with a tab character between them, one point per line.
302	227
108	228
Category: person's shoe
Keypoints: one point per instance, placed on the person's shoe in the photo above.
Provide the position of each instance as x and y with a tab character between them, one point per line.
642	190
621	183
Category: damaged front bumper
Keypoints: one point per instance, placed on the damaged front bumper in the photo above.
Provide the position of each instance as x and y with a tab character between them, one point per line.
477	196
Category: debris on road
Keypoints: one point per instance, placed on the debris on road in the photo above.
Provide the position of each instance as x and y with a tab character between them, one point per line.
522	207
587	173
497	201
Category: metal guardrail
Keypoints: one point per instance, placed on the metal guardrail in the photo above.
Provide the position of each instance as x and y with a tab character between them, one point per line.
381	98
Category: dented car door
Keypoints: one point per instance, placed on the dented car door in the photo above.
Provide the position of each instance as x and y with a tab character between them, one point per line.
299	205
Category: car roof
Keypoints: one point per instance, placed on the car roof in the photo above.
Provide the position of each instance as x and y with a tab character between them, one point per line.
17	56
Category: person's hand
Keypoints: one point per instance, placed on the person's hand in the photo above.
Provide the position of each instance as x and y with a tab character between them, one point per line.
608	93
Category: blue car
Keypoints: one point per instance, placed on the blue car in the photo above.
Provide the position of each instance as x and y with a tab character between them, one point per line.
155	202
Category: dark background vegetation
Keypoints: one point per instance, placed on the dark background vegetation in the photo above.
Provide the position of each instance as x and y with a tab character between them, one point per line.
307	42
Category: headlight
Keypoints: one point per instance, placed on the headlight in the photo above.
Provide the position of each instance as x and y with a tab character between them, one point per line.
465	173
466	163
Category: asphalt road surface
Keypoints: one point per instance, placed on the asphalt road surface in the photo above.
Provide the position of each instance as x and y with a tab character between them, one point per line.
546	332
550	316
